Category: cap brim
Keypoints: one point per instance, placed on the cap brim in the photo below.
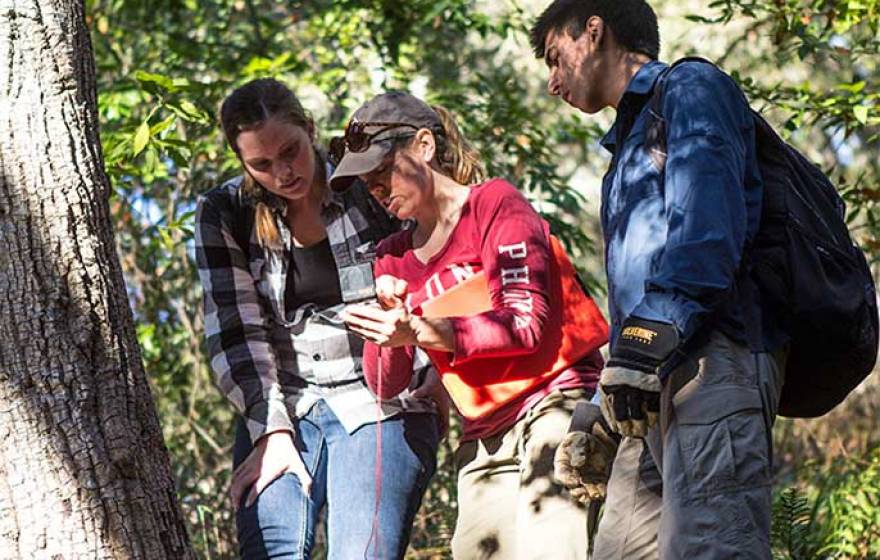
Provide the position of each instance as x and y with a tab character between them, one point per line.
358	163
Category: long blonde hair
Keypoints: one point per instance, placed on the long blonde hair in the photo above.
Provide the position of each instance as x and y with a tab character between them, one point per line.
456	157
247	108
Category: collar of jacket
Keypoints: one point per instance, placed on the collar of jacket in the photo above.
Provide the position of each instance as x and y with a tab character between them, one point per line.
640	84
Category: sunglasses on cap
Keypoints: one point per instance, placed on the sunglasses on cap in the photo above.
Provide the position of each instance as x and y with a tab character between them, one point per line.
357	139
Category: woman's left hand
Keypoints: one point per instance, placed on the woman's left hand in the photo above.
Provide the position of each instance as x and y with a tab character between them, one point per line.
390	291
385	327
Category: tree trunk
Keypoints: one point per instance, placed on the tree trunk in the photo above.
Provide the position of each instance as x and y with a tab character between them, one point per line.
84	472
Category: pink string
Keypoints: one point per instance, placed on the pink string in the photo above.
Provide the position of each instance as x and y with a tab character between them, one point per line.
377	479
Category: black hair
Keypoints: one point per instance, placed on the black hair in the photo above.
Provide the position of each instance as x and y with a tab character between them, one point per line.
633	22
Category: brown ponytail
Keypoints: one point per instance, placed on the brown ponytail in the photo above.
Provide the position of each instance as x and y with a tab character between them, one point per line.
455	155
248	108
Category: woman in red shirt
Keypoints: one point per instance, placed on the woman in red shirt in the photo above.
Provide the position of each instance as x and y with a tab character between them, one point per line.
515	369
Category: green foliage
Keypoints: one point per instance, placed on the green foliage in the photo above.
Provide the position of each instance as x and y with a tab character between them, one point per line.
836	516
791	526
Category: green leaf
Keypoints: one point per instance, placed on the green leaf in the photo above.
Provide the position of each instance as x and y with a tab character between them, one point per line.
141	138
148	79
182	220
853	88
146	337
162	126
190	109
180	84
167	240
860	112
700	19
179	153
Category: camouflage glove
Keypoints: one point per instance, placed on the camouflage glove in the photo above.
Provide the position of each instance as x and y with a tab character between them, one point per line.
582	462
629	385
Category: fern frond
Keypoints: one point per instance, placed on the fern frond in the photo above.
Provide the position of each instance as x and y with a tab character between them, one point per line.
790	529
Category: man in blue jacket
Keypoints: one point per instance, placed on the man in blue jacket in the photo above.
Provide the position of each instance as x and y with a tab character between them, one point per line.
695	365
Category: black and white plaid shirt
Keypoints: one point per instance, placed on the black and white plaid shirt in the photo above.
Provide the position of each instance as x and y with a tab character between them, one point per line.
274	365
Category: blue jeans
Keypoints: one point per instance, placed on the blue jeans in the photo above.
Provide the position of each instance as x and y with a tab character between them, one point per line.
281	523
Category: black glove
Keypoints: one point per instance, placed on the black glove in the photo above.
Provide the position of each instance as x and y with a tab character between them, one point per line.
582	462
629	386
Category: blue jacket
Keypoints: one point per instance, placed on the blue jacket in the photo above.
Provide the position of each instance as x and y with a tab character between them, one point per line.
674	238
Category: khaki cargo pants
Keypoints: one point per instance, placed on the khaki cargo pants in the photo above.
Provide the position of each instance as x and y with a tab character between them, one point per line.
509	506
704	492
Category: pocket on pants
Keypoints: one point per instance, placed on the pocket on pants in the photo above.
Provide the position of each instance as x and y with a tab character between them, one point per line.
724	453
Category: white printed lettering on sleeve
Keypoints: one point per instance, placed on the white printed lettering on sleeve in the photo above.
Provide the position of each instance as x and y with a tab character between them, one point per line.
518	299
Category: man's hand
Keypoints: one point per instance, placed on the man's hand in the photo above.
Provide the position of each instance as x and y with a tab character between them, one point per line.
629	386
630	400
582	462
273	455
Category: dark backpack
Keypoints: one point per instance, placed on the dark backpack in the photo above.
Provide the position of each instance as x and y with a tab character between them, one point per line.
812	277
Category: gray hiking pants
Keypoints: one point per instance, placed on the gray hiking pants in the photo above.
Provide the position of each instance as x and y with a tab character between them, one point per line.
704	491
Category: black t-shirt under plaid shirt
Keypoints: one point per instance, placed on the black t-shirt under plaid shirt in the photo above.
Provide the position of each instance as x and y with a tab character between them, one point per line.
313	277
271	363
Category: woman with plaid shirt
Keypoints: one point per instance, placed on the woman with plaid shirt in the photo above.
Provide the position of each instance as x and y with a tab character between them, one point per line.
275	248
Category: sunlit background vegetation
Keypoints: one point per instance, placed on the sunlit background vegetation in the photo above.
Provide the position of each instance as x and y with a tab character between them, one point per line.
165	65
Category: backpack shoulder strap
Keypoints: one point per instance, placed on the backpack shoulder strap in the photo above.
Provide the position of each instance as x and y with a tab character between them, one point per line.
655	139
660	84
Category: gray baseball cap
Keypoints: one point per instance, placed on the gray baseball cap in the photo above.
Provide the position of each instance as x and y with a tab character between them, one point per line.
391	107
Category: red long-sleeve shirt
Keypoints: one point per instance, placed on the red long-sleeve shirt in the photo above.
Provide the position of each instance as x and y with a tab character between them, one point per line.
500	233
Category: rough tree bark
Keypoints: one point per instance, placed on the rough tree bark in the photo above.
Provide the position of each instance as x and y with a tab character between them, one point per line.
84	472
